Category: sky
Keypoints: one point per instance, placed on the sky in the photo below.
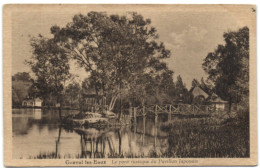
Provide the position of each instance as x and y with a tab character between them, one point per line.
189	35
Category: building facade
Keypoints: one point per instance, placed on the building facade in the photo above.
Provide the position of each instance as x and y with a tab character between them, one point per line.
29	102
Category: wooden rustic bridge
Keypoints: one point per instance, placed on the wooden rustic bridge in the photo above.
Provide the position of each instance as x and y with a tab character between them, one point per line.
172	109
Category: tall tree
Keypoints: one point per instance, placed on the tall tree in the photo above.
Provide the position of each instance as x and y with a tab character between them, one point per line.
227	66
116	50
50	65
22	76
182	92
73	91
21	87
156	89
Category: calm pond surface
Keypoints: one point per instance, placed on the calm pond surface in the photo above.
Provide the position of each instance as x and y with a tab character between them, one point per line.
38	134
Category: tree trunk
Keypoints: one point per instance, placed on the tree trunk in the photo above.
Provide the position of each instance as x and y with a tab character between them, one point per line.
112	103
59	100
57	143
60	113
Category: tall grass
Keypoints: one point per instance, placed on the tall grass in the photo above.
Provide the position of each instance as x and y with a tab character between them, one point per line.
212	137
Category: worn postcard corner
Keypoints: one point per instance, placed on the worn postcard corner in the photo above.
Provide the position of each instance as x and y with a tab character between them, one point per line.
129	85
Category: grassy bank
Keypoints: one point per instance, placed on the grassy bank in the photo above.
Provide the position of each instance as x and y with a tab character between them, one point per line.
208	137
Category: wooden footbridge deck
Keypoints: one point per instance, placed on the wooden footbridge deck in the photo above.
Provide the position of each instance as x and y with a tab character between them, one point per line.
172	109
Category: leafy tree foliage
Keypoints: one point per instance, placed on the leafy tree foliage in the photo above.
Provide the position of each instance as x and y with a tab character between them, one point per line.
22	76
228	67
73	92
21	86
50	65
121	53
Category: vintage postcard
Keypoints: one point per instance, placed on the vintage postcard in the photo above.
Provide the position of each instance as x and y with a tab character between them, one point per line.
129	85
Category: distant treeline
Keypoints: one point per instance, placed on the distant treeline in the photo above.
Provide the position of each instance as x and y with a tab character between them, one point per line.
23	86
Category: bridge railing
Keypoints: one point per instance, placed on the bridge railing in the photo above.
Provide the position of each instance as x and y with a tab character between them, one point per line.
174	109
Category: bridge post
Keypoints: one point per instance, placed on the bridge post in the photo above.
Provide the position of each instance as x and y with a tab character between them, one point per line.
193	109
170	113
130	109
156	116
144	119
143	137
130	113
134	115
84	146
92	150
155	126
155	136
155	131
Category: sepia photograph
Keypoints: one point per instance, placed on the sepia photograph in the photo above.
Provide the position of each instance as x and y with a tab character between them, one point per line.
130	85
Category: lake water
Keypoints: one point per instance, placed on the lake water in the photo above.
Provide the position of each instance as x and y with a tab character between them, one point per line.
38	134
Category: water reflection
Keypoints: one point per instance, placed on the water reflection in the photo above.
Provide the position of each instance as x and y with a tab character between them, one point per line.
38	134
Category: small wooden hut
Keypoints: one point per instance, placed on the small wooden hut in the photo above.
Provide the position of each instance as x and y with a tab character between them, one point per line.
30	102
93	101
219	104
